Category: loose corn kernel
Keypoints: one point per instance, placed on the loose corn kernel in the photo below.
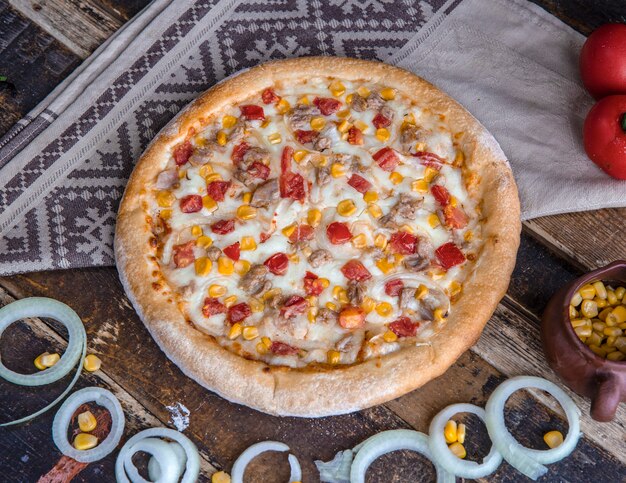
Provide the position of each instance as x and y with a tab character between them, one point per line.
87	421
299	155
611	298
337	88
38	364
222	138
454	288
450	431
225	266
619	292
242	267
384	265
600	289
209	203
343	114
247	244
363	91
421	291
165	214
349	98
182	173
616	356
322	160
368	304
419	186
384	309
388	93
250	332
196	230
439	315
203	266
601	303
49	360
220	477
165	198
216	290
617	315
205	170
265	123
228	121
581	322
573	313
288	230
433	220
283	106
346	208
370	196
583	331
294	258
589	309
314	216
318	123
333	357
256	305
261	348
460	433
92	363
343	126
331	306
375	210
274	138
337	170
469	236
303	100
380	241
420	147
458	450
396	178
339	293
311	314
235	331
553	438
610	340
612	331
587	292
598	351
84	441
597	326
230	301
246	212
213	177
576	299
359	241
383	134
429	174
266	341
204	241
361	126
271	293
390	336
594	339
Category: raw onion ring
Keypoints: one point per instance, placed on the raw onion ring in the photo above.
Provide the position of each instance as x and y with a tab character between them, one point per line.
445	457
74	353
192	465
154	468
62	419
239	467
529	461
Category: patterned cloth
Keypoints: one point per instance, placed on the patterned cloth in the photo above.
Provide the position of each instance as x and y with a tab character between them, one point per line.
64	167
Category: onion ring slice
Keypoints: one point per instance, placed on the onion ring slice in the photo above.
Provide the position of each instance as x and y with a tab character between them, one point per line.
239	467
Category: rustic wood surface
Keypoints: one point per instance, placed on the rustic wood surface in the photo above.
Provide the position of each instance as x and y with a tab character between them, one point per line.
41	42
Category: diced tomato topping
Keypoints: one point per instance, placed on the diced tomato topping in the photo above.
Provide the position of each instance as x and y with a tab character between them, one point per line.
327	105
352	317
285	159
217	189
295	305
304	137
387	159
381	121
441	194
277	263
404	327
302	232
455	217
403	242
252	112
183	254
394	287
238	312
355	136
238	152
269	96
263	237
338	233
222	227
191	203
449	255
312	284
232	251
291	184
182	153
359	183
429	159
355	270
259	170
212	307
282	349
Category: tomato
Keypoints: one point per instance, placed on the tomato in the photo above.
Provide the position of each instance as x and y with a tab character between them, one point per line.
282	349
191	204
455	217
327	105
403	243
259	170
449	255
269	96
252	112
403	327
359	183
277	263
217	189
352	317
304	137
381	121
355	270
212	307
295	305
302	232
238	312
232	251
441	194
182	153
222	227
183	254
387	159
355	136
291	184
338	233
429	159
238	152
604	135
393	288
603	61
312	284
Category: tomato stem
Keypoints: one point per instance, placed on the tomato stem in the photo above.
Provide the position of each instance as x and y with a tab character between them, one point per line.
623	122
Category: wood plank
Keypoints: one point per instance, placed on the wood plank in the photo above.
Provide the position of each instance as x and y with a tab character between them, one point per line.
583	15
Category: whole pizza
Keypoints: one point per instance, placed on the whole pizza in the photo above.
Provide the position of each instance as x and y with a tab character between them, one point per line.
318	235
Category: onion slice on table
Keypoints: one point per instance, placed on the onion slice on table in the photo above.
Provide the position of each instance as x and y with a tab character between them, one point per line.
154	467
445	457
166	457
239	467
529	461
74	353
62	419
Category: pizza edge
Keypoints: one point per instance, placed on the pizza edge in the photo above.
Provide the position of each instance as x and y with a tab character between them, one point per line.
315	392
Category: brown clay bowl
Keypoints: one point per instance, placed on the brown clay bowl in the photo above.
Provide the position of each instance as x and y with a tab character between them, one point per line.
586	373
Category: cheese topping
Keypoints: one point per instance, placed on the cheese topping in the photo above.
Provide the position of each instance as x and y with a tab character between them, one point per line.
324	222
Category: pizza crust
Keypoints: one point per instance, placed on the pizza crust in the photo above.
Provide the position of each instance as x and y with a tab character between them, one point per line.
319	391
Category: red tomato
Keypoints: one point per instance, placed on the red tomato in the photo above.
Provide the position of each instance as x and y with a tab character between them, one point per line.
304	137
381	121
302	232
327	105
232	251
259	170
352	317
312	284
403	243
191	203
182	153
449	255
183	254
386	159
359	183
269	96
441	194
291	184
282	349
394	287
252	112
604	135
338	233
277	263
238	312
455	217
212	307
238	152
295	305
222	227
603	61
217	189
355	270
355	136
403	327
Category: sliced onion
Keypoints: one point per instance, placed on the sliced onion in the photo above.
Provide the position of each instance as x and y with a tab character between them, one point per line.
445	457
170	467
128	473
62	419
74	353
239	467
529	461
394	440
336	470
154	468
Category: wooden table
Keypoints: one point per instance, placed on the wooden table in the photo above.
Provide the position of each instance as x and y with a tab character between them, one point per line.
41	42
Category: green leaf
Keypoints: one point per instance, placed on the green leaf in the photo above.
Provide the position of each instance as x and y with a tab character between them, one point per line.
3	78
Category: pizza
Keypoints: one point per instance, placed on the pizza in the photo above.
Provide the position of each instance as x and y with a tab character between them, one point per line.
318	235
